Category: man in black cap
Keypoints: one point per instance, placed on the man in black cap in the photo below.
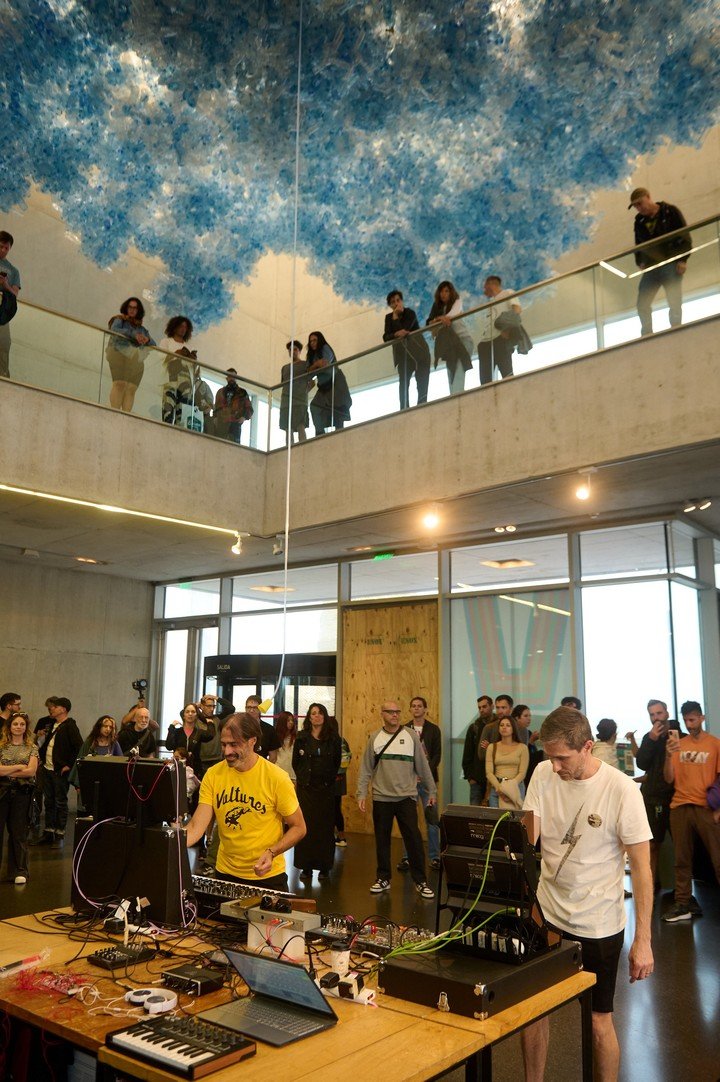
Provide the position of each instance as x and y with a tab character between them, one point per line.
664	263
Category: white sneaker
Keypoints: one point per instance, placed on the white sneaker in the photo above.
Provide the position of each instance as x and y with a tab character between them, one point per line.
424	890
380	886
20	880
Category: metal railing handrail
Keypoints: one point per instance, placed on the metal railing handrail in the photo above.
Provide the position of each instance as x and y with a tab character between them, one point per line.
552	280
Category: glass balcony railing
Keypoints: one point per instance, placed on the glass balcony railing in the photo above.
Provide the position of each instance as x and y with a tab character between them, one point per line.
563	318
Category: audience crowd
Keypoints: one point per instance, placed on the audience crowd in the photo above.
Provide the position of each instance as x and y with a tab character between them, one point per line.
680	785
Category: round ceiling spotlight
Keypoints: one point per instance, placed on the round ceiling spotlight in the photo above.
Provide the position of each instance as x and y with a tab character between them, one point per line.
431	518
584	489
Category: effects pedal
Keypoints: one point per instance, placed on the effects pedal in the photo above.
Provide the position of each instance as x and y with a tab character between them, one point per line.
119	957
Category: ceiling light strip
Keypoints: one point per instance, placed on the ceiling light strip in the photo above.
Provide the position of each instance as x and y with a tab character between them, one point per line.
119	510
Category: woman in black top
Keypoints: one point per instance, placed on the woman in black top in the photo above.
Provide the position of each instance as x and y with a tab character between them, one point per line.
190	733
330	408
316	761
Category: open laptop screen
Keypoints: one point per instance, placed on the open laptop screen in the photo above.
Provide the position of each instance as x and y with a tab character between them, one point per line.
281	980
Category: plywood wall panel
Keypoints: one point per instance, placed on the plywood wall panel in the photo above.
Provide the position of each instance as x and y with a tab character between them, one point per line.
389	652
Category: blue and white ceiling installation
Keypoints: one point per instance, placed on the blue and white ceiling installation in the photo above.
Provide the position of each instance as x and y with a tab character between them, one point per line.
439	139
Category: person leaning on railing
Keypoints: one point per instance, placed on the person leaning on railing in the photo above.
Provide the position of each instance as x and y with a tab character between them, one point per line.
178	390
125	353
453	344
330	408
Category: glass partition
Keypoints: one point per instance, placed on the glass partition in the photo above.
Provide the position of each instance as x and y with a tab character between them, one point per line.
509	563
394	576
513	643
624	551
510	333
199	598
266	589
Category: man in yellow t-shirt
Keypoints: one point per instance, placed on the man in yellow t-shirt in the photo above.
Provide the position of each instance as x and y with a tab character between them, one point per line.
252	801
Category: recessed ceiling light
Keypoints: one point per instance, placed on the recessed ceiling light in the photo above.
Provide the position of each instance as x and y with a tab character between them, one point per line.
272	589
431	518
704	505
361	548
504	564
86	560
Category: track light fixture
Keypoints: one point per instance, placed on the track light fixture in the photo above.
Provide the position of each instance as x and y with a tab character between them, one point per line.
584	489
695	504
237	547
431	518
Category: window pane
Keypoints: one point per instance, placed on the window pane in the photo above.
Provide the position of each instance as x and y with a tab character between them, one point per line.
306	586
313	631
682	549
686	643
398	576
173	677
527	561
192	599
628	660
500	643
625	551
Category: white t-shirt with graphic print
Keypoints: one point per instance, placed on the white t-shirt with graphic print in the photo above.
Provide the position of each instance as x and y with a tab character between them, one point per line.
585	827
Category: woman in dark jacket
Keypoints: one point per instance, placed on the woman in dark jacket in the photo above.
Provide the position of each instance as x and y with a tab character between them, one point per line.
316	761
330	408
190	733
410	351
453	343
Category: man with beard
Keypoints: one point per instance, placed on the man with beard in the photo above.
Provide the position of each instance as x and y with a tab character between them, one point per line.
255	806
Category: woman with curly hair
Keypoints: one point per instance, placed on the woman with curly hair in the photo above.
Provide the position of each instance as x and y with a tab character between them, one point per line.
180	369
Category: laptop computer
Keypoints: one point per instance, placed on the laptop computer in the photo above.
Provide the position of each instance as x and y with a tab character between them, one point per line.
284	1004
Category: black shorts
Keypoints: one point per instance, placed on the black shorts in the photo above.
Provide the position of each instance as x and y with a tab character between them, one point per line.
270	882
658	818
601	957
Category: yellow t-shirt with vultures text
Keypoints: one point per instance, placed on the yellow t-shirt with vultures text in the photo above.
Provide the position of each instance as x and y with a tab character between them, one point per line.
249	807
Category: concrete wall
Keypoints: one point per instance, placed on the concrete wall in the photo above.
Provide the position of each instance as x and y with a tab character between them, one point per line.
648	396
66	633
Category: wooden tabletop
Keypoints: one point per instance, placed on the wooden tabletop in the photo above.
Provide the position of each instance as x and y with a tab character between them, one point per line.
397	1041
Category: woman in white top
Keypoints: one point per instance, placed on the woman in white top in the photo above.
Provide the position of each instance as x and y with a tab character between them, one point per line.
178	391
286	729
453	343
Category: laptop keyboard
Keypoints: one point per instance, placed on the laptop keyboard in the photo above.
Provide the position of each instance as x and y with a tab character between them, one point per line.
277	1017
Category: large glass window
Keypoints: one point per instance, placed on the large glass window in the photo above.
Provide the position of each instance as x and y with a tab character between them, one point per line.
312	631
519	644
192	599
266	590
686	643
525	561
623	552
682	549
395	576
628	655
173	678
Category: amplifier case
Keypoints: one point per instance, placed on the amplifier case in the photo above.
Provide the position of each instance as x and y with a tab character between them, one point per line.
475	987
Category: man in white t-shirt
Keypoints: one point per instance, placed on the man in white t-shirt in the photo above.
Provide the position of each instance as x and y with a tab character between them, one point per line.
494	347
588	816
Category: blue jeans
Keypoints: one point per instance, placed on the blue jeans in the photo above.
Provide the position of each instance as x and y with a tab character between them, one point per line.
494	802
477	792
433	828
652	280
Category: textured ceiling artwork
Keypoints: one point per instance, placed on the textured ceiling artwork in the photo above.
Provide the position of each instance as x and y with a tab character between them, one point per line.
437	139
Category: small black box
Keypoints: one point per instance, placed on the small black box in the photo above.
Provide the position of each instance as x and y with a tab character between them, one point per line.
192	980
475	987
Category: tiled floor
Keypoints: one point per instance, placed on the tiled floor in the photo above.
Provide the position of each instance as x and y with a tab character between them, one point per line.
669	1026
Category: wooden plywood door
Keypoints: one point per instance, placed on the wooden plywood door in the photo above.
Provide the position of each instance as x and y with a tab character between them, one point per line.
388	652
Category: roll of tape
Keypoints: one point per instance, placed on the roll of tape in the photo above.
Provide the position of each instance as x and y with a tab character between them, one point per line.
161	1001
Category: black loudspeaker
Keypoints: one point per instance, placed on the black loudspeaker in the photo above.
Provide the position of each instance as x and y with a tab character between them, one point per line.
115	860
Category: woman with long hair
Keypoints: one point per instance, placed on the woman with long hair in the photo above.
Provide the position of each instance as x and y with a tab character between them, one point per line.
286	729
316	762
330	408
18	766
453	343
125	353
506	764
193	730
101	741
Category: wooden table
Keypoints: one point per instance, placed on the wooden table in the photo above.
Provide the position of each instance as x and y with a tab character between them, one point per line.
397	1041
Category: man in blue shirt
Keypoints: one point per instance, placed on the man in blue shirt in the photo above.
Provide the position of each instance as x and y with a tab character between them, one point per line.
10	282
